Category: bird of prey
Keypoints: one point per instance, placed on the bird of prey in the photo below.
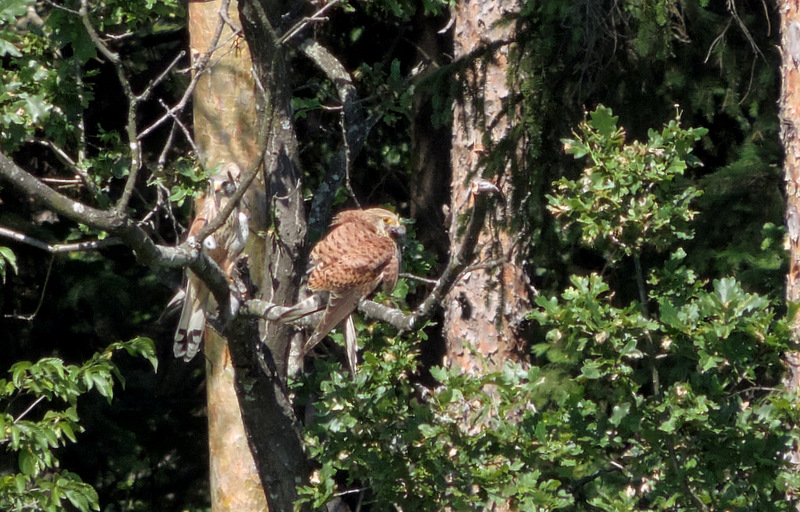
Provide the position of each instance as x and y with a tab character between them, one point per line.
358	254
223	246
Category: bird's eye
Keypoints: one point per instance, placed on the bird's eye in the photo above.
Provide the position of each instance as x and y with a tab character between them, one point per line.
387	220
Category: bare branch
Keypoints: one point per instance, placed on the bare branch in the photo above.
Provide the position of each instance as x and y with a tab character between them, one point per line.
89	245
413	277
160	78
348	162
179	123
133	101
121	226
199	67
72	166
300	25
30	317
456	267
29	409
354	131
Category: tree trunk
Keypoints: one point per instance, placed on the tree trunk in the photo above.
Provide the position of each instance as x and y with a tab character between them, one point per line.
789	104
224	131
489	301
261	357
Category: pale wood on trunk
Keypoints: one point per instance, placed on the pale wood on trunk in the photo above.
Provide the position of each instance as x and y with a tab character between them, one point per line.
225	126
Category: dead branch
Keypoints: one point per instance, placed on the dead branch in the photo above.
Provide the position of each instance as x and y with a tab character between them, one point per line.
123	228
353	126
89	245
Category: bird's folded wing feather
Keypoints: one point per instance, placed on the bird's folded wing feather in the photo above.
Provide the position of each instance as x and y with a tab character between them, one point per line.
192	321
339	306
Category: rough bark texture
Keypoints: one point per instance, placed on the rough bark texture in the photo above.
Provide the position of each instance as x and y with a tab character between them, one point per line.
262	366
789	104
488	302
224	131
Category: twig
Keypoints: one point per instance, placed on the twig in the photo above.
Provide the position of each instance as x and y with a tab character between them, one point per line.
199	67
62	181
347	160
717	40
160	78
72	166
90	245
29	318
413	277
743	27
300	25
354	131
79	166
29	409
130	125
179	123
162	156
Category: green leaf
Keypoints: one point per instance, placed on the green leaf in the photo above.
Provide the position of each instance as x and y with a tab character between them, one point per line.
619	412
7	256
27	462
591	370
604	121
669	314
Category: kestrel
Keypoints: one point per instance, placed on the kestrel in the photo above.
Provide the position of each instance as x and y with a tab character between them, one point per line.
224	247
358	254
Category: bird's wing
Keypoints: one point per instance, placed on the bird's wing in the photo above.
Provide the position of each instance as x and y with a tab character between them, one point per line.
351	344
192	321
391	271
339	306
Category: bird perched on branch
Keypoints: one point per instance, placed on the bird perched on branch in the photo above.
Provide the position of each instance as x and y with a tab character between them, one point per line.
358	254
224	246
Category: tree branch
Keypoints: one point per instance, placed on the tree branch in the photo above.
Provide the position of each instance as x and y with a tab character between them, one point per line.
89	245
482	192
300	25
199	67
133	102
122	227
354	129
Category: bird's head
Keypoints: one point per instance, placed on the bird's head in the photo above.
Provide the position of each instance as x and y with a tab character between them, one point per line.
387	222
225	181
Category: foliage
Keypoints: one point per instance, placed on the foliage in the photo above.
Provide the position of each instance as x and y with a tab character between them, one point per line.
401	445
48	79
690	375
641	59
7	259
620	409
689	401
39	484
631	195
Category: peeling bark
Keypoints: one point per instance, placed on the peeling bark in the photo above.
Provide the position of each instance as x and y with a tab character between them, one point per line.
489	301
789	104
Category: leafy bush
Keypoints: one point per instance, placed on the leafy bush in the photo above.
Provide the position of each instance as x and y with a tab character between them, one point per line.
674	402
39	484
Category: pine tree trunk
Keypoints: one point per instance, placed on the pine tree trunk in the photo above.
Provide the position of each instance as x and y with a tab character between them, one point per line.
789	104
488	302
224	131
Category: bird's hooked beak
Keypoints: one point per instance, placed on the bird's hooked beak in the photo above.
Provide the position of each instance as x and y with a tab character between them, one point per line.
397	232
